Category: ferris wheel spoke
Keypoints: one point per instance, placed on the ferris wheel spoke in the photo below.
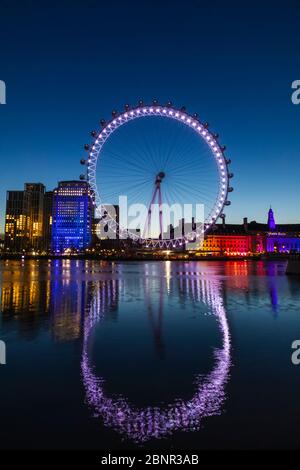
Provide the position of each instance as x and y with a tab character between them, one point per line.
196	189
131	190
172	151
148	151
190	164
187	164
151	154
132	165
190	188
200	195
128	158
181	147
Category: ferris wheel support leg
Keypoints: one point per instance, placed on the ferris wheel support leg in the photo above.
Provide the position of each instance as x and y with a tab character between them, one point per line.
160	213
148	222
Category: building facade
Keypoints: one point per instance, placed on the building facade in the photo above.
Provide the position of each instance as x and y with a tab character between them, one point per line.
281	239
17	222
25	218
72	216
282	243
227	244
47	220
36	192
253	237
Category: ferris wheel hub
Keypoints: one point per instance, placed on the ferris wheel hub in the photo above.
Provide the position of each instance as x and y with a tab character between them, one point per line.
160	176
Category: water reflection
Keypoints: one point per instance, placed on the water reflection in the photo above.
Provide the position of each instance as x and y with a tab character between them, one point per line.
142	424
78	295
122	341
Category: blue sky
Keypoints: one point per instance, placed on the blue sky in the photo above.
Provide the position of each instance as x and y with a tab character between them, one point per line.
68	64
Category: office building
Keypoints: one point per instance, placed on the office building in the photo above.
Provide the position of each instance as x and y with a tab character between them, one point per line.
72	216
17	222
35	193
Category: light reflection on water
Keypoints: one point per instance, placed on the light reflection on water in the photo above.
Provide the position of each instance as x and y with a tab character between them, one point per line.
154	422
137	352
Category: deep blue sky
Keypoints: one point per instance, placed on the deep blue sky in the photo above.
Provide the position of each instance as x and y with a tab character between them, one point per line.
67	64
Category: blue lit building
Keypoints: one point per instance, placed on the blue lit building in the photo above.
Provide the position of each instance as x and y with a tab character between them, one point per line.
72	216
271	220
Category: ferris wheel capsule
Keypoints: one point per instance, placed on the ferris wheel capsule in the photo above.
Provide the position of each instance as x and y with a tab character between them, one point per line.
82	177
82	161
206	125
230	175
227	203
227	161
93	133
216	136
127	107
223	148
169	104
155	102
230	189
195	115
183	109
141	103
86	147
114	113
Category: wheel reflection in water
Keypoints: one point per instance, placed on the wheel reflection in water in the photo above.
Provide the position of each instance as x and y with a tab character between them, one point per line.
143	424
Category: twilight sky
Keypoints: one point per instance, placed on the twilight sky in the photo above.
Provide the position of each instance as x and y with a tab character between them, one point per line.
67	64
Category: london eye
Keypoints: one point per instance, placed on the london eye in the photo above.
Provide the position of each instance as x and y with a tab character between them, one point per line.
158	156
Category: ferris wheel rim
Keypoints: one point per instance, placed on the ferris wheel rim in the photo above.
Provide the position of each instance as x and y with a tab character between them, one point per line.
201	129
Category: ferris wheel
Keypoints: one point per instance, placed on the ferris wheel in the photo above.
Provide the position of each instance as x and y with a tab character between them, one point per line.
158	156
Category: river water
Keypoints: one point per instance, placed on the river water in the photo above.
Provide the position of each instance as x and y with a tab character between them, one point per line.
164	355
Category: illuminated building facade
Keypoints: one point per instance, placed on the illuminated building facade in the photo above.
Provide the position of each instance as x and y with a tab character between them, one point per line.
282	243
72	216
253	237
241	245
282	238
25	218
271	220
227	244
17	221
35	193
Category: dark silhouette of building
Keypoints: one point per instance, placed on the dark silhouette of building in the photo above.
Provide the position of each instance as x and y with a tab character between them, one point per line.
17	221
47	220
25	219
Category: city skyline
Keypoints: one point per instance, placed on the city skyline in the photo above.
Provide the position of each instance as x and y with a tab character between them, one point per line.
65	222
48	192
243	88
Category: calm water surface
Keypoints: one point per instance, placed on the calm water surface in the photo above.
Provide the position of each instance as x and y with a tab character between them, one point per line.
149	354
